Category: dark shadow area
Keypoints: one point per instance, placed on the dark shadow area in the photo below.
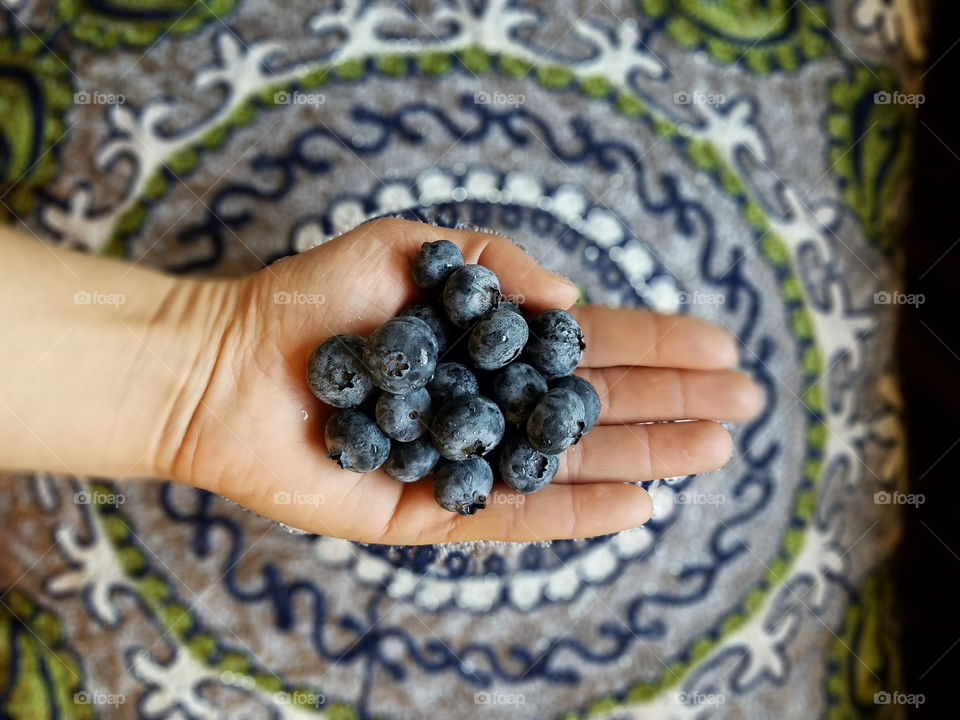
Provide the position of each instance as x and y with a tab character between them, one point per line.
929	351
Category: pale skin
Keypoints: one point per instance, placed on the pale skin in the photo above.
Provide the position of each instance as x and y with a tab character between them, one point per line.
113	370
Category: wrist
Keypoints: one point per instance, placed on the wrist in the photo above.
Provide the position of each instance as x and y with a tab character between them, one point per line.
104	362
186	337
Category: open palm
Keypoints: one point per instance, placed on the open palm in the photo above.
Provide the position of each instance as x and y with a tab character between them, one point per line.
257	435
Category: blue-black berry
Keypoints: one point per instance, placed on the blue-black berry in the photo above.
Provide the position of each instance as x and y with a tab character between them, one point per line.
336	373
410	461
401	355
524	468
498	339
556	343
450	380
463	487
433	316
556	422
516	389
470	293
434	263
469	426
587	394
355	441
404	417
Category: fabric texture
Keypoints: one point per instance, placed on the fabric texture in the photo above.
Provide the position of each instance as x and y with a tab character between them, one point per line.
742	160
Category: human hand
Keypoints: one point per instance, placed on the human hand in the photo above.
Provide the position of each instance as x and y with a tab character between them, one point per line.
255	434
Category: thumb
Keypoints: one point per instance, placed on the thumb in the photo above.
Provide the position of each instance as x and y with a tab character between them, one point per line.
522	277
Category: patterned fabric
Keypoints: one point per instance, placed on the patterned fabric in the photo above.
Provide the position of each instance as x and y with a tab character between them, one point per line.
743	160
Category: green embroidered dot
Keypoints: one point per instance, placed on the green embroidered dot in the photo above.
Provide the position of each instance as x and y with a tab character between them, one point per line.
476	59
435	63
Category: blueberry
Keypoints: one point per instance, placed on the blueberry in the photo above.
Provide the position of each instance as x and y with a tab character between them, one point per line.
463	487
450	380
511	306
468	426
434	263
336	374
424	327
587	394
516	389
411	461
404	417
498	339
524	468
433	316
556	422
470	293
401	355
355	441
556	343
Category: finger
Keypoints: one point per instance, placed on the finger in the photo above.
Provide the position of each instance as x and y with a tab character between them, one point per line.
520	274
556	512
622	453
638	394
640	337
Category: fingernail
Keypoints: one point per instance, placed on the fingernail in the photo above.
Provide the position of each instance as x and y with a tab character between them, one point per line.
564	279
755	398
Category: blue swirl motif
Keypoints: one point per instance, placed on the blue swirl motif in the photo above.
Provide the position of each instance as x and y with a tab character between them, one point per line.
720	269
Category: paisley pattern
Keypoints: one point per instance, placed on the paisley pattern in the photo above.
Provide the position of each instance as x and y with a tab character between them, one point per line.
35	95
773	210
777	35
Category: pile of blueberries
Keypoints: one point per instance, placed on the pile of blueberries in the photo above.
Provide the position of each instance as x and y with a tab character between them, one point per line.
479	414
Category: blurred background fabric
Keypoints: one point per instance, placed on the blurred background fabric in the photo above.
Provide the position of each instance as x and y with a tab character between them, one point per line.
747	161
